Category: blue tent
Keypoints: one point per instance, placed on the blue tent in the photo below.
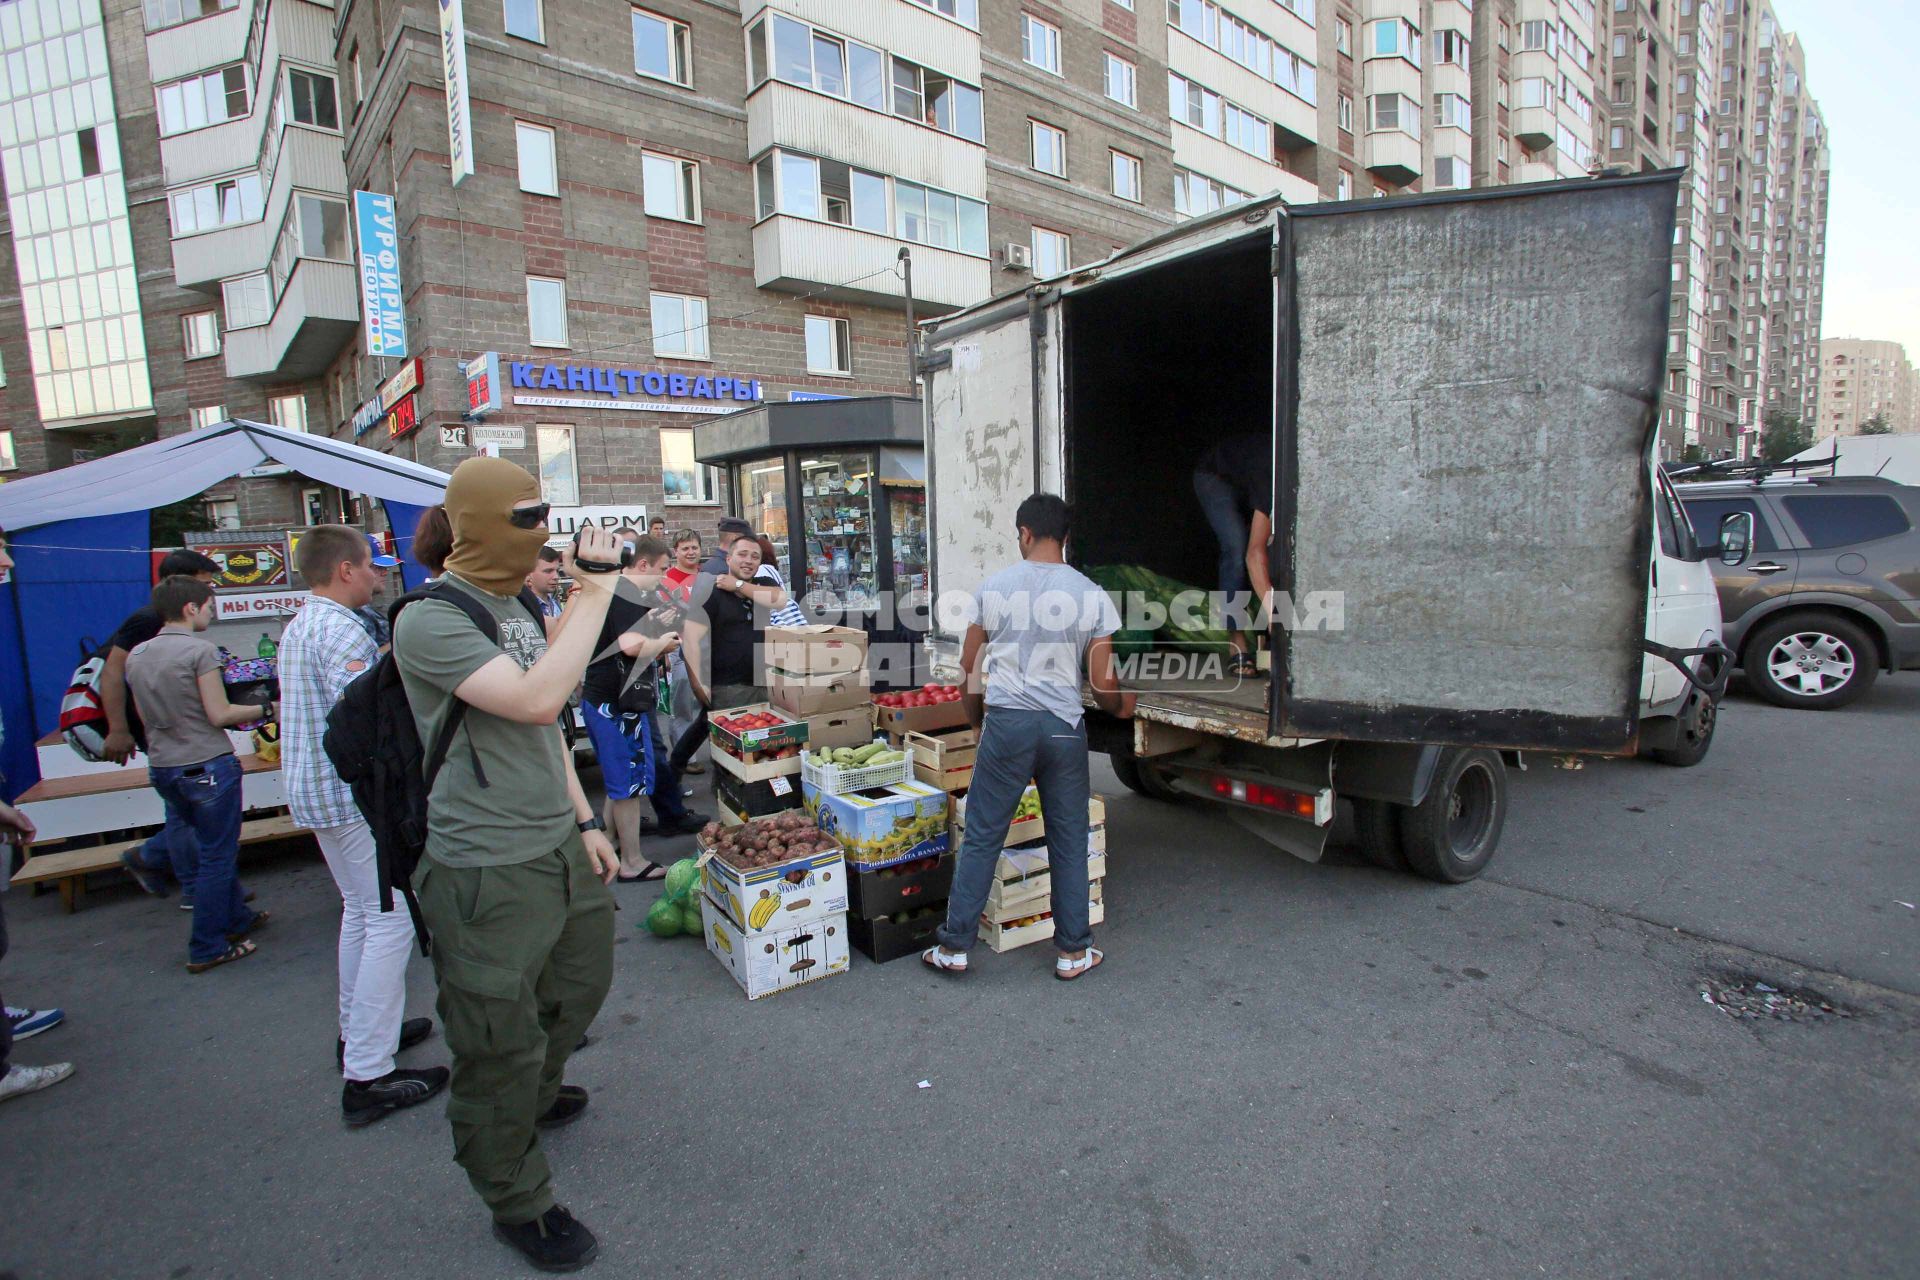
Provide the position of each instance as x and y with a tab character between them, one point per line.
79	541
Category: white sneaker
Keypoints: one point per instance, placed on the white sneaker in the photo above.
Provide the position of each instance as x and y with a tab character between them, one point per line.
30	1079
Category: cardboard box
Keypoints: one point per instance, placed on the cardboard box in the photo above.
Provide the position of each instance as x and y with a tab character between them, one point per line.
883	940
801	889
776	961
1007	937
816	650
898	722
852	727
757	799
885	825
809	695
759	769
876	894
789	733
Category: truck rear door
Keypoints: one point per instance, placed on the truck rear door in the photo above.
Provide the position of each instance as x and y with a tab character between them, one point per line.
1466	394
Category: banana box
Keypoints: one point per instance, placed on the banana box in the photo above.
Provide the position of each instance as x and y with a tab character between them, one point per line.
784	896
775	960
883	825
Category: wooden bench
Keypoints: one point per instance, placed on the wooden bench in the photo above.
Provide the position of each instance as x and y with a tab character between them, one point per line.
69	868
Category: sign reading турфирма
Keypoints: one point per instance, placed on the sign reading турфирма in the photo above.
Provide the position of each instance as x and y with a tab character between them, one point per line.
612	388
381	301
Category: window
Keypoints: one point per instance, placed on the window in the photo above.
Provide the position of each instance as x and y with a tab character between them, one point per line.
1345	115
670	187
89	142
356	76
685	481
1206	22
1451	173
1705	514
210	99
200	334
289	411
248	301
1343	36
939	218
1343	186
1451	111
323	228
1541	35
546	312
223	513
162	14
1121	85
1616	137
1531	91
559	477
1052	252
1392	111
1838	519
1248	132
679	326
967	11
1394	38
312	99
9	460
215	204
829	345
1126	176
208	415
1452	47
1194	194
1049	148
661	48
539	167
524	18
1039	43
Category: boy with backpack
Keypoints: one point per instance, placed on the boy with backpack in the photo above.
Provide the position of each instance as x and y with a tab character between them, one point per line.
512	883
324	649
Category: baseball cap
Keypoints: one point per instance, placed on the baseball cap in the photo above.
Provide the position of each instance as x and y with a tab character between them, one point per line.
734	524
381	560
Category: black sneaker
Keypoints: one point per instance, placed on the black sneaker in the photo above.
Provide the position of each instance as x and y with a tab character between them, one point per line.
412	1032
554	1241
686	824
364	1103
566	1108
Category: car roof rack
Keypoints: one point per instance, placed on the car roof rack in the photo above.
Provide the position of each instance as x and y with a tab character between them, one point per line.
1754	470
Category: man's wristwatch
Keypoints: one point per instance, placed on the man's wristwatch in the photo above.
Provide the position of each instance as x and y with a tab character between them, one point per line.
591	824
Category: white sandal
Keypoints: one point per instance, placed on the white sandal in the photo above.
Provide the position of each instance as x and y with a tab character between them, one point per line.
1067	970
943	960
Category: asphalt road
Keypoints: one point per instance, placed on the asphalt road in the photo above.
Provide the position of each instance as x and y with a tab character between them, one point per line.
1283	1069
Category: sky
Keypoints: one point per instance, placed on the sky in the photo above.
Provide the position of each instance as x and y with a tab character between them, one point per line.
1861	69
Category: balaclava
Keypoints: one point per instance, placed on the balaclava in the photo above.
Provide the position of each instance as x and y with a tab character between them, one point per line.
488	550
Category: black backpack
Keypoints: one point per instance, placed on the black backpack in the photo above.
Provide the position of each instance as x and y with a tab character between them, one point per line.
375	747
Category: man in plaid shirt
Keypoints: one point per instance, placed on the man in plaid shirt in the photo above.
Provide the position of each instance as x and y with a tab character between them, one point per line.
324	649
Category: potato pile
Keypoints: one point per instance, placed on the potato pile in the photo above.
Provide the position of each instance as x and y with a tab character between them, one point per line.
767	842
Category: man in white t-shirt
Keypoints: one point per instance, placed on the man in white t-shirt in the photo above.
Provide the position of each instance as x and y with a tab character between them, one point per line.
1039	624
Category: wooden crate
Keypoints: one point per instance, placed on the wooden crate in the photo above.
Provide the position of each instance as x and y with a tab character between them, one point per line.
1009	937
1016	896
68	867
944	759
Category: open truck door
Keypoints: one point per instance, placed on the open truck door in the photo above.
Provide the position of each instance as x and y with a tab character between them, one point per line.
1467	391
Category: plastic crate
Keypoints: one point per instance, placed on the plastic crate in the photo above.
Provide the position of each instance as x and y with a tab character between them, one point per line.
838	779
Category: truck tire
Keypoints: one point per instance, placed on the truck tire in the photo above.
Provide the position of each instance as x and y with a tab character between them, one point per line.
1140	778
1811	661
1697	722
1450	836
1376	825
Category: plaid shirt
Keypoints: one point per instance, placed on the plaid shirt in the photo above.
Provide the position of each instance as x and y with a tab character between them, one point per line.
324	648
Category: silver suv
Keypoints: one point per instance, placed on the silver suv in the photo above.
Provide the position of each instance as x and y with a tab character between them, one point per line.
1830	595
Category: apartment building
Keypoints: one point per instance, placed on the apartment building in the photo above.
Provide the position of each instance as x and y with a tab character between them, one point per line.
1862	379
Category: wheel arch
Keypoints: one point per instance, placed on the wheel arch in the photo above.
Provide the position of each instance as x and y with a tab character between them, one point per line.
1817	603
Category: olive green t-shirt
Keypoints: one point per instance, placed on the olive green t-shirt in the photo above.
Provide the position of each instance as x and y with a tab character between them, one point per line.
523	811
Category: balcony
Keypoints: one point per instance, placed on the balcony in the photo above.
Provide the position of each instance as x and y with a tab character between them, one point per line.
318	313
784	115
1533	127
199	45
799	255
1205	154
1393	155
310	159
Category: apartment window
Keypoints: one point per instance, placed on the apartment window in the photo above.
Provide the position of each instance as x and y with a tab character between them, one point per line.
939	100
686	482
1619	45
9	460
661	48
1536	36
208	415
289	411
1506	34
679	326
215	204
200	334
1395	38
1531	91
823	189
1121	86
356	77
525	19
670	187
162	14
546	311
1124	4
313	99
1048	147
1248	132
1393	111
248	301
939	218
1126	176
539	167
89	144
210	99
1451	173
1452	47
1248	46
1343	186
1039	43
829	345
1451	111
559	474
1052	252
1617	137
1343	36
323	228
1345	113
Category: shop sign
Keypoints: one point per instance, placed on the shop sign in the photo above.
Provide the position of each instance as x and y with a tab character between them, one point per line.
259	604
394	393
453	63
483	385
504	437
380	297
806	397
563	521
588	387
261	563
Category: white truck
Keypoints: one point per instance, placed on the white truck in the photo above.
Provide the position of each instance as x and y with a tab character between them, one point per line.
1462	391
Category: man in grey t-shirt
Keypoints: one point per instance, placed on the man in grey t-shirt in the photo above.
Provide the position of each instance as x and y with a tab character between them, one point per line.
1038	623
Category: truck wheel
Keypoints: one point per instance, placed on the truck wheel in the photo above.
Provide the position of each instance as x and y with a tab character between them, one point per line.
1697	721
1815	661
1376	825
1451	835
1140	778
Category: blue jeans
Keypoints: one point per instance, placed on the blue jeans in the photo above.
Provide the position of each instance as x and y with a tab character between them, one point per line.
1015	747
208	799
1230	526
172	847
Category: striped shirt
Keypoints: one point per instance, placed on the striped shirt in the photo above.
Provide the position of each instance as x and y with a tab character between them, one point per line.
324	648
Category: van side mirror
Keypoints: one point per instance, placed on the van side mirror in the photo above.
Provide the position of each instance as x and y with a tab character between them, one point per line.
1736	537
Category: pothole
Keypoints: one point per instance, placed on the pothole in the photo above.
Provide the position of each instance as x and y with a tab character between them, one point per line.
1747	996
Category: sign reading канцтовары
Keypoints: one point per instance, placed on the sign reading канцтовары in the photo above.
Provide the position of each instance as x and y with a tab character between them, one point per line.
609	389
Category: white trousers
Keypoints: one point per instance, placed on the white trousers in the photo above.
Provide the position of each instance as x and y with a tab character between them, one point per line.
374	945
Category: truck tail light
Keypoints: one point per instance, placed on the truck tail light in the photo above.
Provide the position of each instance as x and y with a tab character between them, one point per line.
1300	804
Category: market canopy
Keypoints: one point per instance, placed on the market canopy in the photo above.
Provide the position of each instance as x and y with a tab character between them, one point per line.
1892	457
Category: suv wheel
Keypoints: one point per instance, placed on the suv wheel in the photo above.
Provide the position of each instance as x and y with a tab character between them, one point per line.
1816	661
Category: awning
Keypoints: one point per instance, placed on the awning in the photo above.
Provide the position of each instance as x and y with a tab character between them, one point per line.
809	424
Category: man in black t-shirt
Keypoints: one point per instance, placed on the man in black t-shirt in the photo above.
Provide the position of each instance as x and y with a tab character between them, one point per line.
1234	483
720	640
618	703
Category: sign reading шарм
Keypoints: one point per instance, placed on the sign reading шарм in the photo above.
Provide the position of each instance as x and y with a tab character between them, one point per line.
588	387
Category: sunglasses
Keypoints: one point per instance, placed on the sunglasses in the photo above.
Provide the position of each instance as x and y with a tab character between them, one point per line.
529	517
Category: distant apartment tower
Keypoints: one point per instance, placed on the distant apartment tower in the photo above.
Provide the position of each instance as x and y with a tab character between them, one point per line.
1861	379
1535	110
